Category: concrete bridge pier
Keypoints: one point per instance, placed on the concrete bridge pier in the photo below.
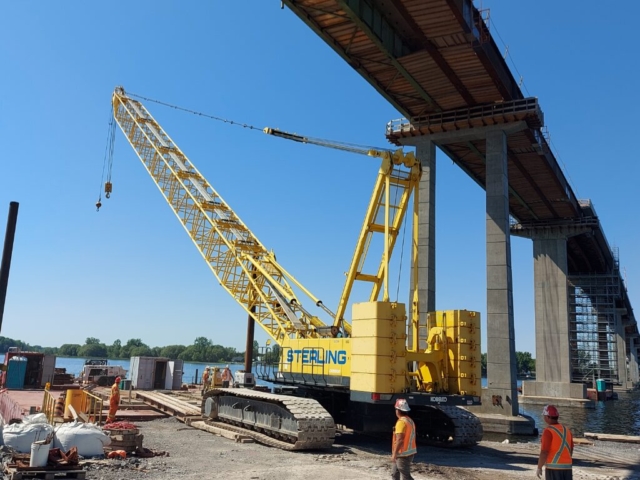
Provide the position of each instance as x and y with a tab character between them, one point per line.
553	362
426	261
501	394
621	347
499	411
634	374
553	382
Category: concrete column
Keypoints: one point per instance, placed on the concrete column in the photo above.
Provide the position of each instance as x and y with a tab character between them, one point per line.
553	363
426	153
634	374
427	228
621	346
501	351
553	353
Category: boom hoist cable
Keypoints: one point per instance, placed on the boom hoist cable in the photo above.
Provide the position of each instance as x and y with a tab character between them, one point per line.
107	164
343	146
385	214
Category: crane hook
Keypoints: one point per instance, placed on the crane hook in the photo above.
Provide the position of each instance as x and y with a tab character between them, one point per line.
98	205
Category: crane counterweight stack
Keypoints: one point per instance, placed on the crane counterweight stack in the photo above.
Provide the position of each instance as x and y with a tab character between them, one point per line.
351	371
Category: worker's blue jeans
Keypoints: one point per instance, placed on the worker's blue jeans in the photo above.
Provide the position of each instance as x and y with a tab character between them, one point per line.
401	469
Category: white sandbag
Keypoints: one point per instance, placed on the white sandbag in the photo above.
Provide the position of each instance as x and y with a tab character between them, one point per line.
35	418
89	439
20	436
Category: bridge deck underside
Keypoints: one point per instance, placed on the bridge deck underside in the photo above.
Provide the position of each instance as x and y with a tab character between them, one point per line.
432	56
536	194
423	56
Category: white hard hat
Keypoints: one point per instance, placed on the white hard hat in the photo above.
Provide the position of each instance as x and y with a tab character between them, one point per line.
402	405
227	366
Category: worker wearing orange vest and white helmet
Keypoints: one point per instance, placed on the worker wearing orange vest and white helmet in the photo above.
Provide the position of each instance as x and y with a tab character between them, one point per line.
114	400
556	448
403	447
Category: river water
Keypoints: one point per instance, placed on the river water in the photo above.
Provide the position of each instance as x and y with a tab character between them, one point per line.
620	417
74	366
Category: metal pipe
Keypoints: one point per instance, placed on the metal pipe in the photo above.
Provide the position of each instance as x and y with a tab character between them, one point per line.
248	355
251	328
6	255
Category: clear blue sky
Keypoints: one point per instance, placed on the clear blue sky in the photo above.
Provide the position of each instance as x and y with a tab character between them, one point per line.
130	271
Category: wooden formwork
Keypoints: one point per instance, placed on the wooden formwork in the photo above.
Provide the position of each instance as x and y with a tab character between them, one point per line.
180	409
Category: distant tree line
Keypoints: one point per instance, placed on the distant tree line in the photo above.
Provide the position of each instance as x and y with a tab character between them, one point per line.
525	364
6	343
202	350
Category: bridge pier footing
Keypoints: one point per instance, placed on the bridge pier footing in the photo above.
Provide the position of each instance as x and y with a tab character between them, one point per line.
634	371
497	423
532	388
495	415
538	402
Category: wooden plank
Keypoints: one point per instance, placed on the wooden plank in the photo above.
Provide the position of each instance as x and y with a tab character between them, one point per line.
238	438
605	437
582	441
166	403
27	473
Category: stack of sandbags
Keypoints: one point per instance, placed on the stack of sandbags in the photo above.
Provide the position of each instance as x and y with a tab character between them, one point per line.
20	436
88	438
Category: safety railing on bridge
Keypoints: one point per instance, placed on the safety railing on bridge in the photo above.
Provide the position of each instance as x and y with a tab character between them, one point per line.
481	115
560	222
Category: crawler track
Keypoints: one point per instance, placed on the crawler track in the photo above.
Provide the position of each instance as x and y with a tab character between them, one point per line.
281	421
448	426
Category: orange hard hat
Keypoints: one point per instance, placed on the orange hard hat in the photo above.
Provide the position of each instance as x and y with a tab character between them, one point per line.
118	379
550	411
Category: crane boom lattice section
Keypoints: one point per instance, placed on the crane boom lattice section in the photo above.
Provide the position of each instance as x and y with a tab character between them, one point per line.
242	265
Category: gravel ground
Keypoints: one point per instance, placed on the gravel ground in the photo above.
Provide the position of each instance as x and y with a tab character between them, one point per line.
194	453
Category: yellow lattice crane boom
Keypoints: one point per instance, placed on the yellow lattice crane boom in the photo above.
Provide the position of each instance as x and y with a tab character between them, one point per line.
240	262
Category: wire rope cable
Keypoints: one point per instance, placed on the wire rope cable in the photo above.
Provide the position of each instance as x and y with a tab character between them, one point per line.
345	146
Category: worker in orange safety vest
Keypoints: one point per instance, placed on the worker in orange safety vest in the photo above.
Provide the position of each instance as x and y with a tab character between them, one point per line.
556	448
114	400
403	447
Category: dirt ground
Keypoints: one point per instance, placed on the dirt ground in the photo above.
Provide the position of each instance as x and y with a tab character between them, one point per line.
197	454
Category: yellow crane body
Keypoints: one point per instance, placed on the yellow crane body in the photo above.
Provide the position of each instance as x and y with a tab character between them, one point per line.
349	372
375	360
